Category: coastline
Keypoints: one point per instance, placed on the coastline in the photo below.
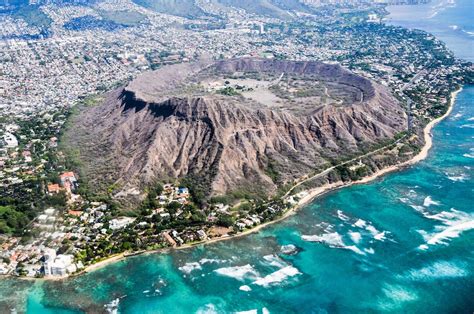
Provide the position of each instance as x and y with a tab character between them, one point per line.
428	137
309	197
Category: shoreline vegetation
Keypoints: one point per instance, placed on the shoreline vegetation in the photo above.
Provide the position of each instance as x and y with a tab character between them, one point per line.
310	196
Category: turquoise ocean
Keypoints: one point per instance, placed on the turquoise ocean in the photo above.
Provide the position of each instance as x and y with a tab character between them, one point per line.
402	243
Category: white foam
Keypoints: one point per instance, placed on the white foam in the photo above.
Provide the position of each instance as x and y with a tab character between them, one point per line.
289	249
470	126
454	223
238	272
423	247
468	155
207	309
436	270
399	293
418	208
265	311
112	307
342	216
278	276
429	201
360	223
451	232
396	296
380	236
457	178
404	200
245	288
274	260
372	229
369	250
189	267
354	249
470	119
333	239
450	217
355	236
203	261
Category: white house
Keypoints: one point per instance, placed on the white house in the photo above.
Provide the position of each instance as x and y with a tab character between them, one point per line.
121	222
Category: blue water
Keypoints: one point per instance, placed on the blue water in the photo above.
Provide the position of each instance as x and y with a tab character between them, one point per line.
449	20
400	244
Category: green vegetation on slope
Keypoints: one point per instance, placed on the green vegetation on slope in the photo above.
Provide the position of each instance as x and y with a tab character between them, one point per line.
125	18
33	16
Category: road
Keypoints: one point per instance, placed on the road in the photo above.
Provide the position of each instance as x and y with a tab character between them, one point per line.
326	171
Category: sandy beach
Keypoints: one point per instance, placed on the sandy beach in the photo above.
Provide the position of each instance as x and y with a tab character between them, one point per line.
309	196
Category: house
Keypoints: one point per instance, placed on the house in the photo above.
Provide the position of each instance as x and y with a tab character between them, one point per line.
61	265
181	192
222	208
53	188
49	256
169	239
240	225
27	156
162	199
121	222
143	224
50	211
42	219
10	140
165	216
201	234
168	188
76	213
68	181
255	219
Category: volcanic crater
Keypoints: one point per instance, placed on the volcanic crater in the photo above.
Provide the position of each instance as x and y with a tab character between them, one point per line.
236	124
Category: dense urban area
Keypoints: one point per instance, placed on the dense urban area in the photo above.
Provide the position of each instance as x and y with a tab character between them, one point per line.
56	58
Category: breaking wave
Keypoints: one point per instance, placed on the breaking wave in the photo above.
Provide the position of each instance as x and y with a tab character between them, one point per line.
429	201
355	236
333	240
277	276
289	249
457	177
238	272
454	223
189	267
245	288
